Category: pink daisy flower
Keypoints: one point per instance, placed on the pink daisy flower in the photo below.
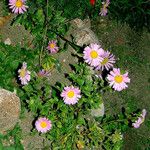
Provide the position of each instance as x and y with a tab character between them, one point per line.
71	95
52	46
140	119
108	61
92	54
24	74
18	6
43	125
117	80
104	9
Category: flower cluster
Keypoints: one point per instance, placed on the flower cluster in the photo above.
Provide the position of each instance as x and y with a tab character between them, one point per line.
97	57
100	59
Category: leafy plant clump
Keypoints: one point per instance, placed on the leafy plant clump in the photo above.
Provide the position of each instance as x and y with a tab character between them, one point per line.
12	140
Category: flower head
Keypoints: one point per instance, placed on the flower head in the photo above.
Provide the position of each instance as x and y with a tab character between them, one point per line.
104	10
43	125
24	74
92	2
18	6
92	54
108	61
52	46
71	95
117	80
43	73
140	119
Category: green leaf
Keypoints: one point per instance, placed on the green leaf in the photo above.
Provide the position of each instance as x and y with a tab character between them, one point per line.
1	145
40	15
14	64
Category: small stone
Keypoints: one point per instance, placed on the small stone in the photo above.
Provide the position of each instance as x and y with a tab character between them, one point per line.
7	41
64	60
99	112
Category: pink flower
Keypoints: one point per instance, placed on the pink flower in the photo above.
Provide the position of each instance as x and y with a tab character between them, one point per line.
104	10
43	125
18	6
108	61
52	46
92	54
43	73
140	119
117	80
71	95
24	74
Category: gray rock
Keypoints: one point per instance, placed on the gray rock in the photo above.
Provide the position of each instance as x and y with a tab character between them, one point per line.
66	59
82	33
9	110
99	112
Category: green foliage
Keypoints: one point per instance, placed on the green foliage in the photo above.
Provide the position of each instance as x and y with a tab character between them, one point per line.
136	12
4	8
45	24
13	139
80	9
72	125
11	59
44	100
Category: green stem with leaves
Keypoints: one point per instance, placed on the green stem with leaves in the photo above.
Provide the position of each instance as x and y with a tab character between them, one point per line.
44	37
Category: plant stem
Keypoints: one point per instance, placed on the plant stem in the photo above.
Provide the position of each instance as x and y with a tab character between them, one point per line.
64	39
44	37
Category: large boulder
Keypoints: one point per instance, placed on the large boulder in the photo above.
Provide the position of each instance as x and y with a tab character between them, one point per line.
9	110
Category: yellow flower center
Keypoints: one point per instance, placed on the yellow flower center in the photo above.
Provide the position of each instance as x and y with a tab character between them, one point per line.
70	94
19	3
22	73
94	54
118	78
52	45
105	61
43	124
105	6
